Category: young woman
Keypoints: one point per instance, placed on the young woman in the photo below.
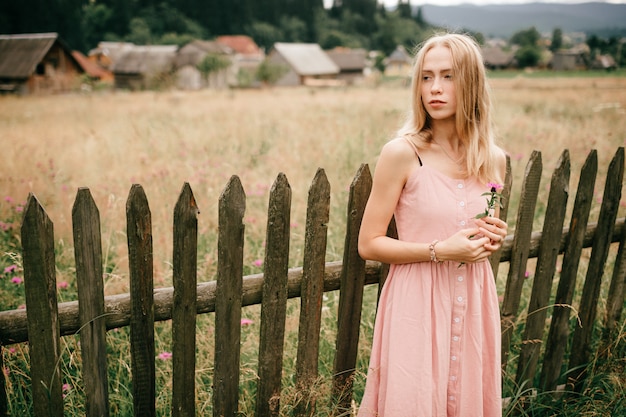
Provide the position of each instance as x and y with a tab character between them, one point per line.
436	347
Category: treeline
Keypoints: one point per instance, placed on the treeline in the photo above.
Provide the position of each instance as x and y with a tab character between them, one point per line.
352	23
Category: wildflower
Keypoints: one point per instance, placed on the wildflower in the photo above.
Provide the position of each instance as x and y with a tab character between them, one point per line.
258	262
8	199
9	269
493	198
17	280
19	209
164	356
62	285
246	322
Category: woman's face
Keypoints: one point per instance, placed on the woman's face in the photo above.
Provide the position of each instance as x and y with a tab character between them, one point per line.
438	88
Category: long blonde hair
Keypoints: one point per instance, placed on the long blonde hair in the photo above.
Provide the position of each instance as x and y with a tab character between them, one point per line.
473	112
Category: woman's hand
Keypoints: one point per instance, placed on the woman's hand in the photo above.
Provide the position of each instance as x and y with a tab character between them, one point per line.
494	229
465	246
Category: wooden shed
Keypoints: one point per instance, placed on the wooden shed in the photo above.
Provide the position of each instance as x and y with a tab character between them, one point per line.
307	64
37	63
398	63
246	58
145	67
189	77
352	63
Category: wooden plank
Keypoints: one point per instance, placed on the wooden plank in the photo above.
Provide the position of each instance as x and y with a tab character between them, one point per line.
581	344
351	295
495	258
532	339
274	301
520	251
185	262
578	233
41	309
312	292
232	206
615	297
140	264
90	283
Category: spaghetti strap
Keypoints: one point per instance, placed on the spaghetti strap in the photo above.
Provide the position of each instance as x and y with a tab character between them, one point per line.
414	148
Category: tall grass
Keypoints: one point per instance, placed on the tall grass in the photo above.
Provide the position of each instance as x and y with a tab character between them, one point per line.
108	141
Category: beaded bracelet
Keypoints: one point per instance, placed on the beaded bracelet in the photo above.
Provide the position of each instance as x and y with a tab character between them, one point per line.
431	248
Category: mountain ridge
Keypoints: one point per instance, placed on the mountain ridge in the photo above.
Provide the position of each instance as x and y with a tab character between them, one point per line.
503	20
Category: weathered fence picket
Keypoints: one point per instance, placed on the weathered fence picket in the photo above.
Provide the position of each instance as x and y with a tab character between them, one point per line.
45	321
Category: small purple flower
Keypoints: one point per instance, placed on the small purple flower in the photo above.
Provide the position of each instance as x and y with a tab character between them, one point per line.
164	356
258	262
246	322
17	280
9	269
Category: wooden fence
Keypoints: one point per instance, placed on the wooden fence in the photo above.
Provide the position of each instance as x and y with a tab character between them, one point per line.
44	321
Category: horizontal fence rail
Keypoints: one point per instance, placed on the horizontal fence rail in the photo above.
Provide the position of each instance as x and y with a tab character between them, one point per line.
45	321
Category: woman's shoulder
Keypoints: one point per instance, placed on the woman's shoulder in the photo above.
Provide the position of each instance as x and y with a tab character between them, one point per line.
400	146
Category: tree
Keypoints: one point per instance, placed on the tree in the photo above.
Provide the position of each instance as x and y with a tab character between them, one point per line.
212	63
528	37
528	56
268	72
557	40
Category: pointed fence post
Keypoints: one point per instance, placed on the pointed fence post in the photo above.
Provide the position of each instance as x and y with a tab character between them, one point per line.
312	293
139	235
519	252
351	294
42	310
185	260
274	302
228	299
581	344
559	327
88	255
549	247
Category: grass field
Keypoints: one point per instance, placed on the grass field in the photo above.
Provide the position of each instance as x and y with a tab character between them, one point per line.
108	141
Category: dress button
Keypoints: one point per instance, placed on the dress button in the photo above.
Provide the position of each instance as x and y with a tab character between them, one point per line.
453	378
455	338
460	185
462	222
452	398
456	319
453	358
459	278
462	204
459	299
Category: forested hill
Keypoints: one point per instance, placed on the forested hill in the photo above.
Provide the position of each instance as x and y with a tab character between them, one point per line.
503	20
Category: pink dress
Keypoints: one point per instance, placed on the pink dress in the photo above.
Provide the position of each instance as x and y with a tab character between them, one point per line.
436	346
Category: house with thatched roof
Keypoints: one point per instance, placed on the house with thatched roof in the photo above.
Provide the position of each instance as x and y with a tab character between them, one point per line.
305	63
189	57
497	58
398	63
37	63
145	67
106	53
352	63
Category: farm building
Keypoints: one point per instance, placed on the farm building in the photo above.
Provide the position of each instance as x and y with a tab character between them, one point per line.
189	77
497	58
570	59
145	67
37	63
352	63
94	71
246	58
106	53
398	63
306	63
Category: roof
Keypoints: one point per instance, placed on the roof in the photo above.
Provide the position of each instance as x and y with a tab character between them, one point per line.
146	59
307	58
348	59
112	49
241	44
91	68
20	54
195	51
495	56
399	55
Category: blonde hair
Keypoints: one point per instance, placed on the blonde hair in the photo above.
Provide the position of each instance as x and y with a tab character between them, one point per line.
473	112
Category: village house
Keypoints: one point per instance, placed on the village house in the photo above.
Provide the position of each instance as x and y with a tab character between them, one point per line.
145	67
245	59
189	76
352	63
106	53
398	63
306	64
496	58
37	63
